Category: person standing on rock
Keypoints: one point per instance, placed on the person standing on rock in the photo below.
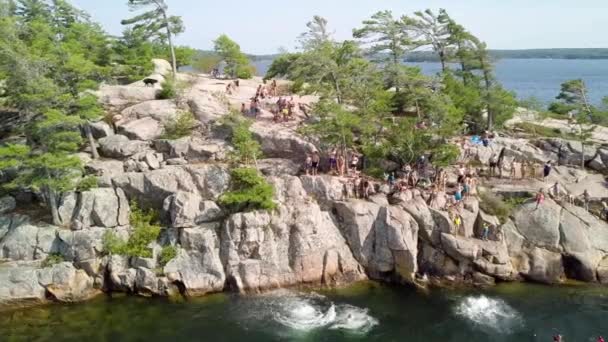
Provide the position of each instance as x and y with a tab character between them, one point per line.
333	162
513	170
605	210
354	162
547	170
316	159
493	165
308	164
485	231
461	173
556	191
586	199
540	198
341	164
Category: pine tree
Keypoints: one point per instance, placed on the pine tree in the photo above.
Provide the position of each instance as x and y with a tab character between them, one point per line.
155	22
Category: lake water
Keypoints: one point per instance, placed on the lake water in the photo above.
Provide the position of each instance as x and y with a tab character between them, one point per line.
365	312
540	78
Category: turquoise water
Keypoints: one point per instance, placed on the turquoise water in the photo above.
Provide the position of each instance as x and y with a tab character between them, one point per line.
366	312
540	78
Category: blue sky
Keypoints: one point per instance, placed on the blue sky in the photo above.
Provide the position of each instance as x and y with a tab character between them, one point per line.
264	26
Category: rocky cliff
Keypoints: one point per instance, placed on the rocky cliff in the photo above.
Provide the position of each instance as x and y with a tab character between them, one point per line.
318	235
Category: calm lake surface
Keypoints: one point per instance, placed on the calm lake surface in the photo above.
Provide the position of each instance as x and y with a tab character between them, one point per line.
365	312
540	78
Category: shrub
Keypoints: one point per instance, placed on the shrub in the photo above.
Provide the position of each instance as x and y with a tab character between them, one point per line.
181	126
245	72
87	183
494	204
246	149
250	191
168	90
167	254
52	260
145	230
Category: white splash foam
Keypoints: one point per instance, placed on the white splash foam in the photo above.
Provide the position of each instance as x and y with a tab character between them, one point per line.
308	312
489	313
354	319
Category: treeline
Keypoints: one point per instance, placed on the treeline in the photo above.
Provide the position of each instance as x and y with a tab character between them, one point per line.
431	56
371	102
52	55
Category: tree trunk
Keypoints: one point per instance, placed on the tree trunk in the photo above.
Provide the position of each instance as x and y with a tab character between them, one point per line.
582	155
53	206
442	60
89	134
337	88
171	47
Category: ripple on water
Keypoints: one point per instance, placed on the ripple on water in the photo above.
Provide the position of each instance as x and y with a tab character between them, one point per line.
489	314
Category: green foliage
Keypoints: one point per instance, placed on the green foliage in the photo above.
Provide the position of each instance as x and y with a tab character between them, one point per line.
543	131
52	260
167	254
168	90
494	204
205	63
87	183
180	126
157	25
249	192
145	231
247	150
237	63
445	155
532	103
281	66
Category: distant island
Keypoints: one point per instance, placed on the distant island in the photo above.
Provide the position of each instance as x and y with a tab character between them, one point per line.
430	56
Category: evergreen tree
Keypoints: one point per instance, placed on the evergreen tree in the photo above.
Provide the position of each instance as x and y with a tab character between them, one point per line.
388	41
156	23
434	31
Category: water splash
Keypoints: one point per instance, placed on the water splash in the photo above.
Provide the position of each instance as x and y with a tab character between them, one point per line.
307	312
492	315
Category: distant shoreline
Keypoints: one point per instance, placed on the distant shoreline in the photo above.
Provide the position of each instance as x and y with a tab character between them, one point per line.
429	56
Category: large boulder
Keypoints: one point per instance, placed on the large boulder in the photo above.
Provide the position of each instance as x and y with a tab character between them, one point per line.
100	207
276	167
285	144
188	209
162	67
67	284
325	189
24	241
121	277
194	149
206	107
85	248
121	96
19	287
159	110
7	204
197	266
539	227
101	129
297	244
144	129
120	147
